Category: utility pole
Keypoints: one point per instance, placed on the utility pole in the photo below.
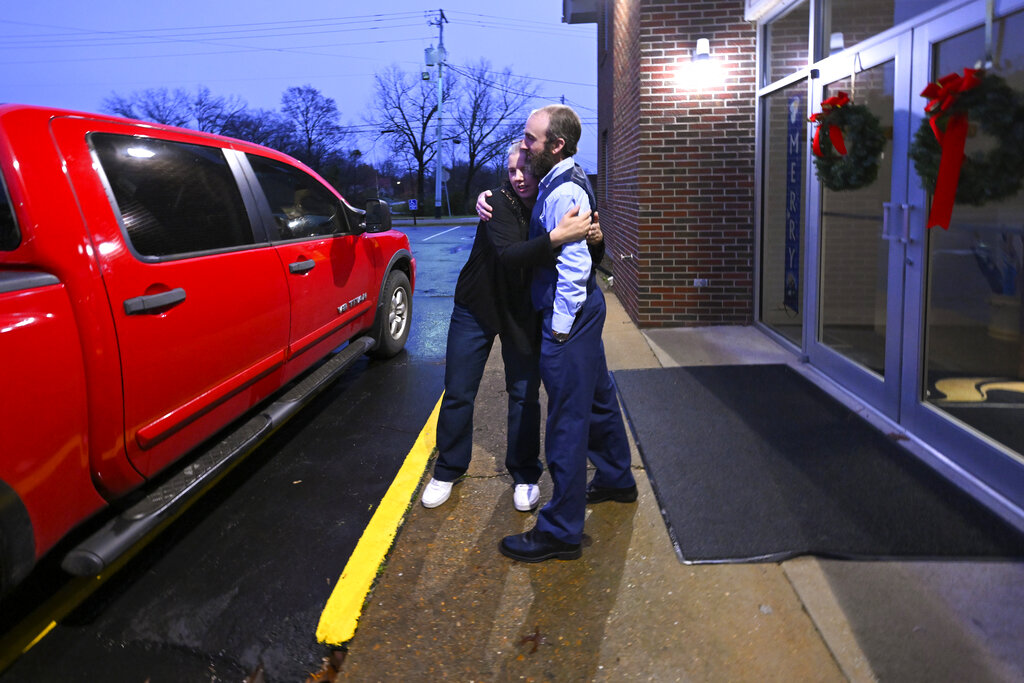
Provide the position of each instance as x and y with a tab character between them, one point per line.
439	22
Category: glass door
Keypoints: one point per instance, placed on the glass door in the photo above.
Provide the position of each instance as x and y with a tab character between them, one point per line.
963	374
860	201
925	325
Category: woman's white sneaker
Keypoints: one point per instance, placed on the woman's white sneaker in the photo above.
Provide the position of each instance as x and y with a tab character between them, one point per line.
526	497
436	492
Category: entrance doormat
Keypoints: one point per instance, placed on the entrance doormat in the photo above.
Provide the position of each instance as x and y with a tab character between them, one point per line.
755	463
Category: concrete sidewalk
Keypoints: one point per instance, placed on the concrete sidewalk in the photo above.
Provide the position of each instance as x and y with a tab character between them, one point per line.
448	606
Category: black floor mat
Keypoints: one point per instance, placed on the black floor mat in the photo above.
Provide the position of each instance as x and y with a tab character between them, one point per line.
755	463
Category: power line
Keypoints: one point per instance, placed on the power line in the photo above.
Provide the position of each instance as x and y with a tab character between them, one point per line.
192	35
125	38
463	71
546	80
520	24
498	86
231	50
130	40
227	27
247	38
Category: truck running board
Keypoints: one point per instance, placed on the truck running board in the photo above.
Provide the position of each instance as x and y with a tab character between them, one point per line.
99	551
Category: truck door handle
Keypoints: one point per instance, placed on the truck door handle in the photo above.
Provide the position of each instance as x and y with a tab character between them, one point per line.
150	302
301	266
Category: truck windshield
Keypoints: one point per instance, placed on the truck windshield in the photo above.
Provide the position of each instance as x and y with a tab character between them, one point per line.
9	235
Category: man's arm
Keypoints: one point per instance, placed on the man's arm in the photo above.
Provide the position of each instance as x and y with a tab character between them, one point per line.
574	261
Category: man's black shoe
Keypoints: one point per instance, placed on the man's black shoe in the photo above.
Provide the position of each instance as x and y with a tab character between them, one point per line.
537	546
599	494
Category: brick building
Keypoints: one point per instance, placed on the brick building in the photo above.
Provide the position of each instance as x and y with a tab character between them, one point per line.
715	214
682	208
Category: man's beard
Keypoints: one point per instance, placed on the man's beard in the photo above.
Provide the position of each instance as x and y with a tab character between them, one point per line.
541	163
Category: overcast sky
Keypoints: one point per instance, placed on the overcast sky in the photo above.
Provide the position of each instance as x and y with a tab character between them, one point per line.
75	54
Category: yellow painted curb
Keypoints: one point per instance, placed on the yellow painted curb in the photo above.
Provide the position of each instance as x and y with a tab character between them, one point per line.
341	614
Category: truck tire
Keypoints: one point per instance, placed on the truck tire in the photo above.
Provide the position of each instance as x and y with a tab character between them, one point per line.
17	541
391	329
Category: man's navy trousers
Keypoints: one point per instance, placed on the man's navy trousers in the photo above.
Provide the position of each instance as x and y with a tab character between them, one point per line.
583	421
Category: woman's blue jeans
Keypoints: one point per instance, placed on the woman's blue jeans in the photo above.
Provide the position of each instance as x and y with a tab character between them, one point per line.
469	345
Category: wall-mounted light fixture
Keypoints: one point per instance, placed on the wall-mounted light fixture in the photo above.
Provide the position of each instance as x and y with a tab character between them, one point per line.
702	71
703	50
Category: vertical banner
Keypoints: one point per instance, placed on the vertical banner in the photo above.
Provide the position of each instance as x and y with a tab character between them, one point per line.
794	194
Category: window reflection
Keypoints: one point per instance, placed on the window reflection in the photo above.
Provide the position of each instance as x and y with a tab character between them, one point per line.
854	254
10	237
782	215
857	20
173	198
786	41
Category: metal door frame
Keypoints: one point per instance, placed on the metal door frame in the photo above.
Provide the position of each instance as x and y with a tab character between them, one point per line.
882	393
974	461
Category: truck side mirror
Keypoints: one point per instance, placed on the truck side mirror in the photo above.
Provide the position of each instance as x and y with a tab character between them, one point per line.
378	215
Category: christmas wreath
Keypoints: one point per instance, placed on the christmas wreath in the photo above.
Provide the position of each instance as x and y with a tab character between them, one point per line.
846	156
937	150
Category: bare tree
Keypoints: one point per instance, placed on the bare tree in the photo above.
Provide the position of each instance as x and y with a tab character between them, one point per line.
406	106
214	113
201	111
491	110
315	124
260	126
307	127
171	107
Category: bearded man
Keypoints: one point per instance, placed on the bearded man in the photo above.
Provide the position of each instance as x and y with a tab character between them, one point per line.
583	419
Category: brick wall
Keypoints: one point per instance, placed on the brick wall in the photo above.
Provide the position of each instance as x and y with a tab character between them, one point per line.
619	123
677	164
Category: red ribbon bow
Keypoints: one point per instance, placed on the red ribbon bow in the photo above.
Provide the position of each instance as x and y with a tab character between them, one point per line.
941	96
835	133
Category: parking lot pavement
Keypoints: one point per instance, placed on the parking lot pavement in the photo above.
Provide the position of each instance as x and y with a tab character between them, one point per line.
402	221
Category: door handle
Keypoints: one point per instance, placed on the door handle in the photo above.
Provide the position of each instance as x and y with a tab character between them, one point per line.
301	266
904	236
886	208
154	302
905	239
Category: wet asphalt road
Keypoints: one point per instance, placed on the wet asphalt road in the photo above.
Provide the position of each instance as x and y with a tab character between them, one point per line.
241	578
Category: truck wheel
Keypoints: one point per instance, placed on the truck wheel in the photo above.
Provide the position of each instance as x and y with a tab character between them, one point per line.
17	539
393	318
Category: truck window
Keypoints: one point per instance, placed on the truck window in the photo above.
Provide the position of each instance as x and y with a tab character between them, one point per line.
301	205
10	237
174	198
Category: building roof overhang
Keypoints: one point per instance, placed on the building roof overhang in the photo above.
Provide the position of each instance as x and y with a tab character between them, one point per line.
580	11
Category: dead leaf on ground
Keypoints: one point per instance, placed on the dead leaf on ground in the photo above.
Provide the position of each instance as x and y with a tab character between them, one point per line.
257	675
536	638
331	668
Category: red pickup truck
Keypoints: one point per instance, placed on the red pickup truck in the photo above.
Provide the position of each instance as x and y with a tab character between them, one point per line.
167	299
